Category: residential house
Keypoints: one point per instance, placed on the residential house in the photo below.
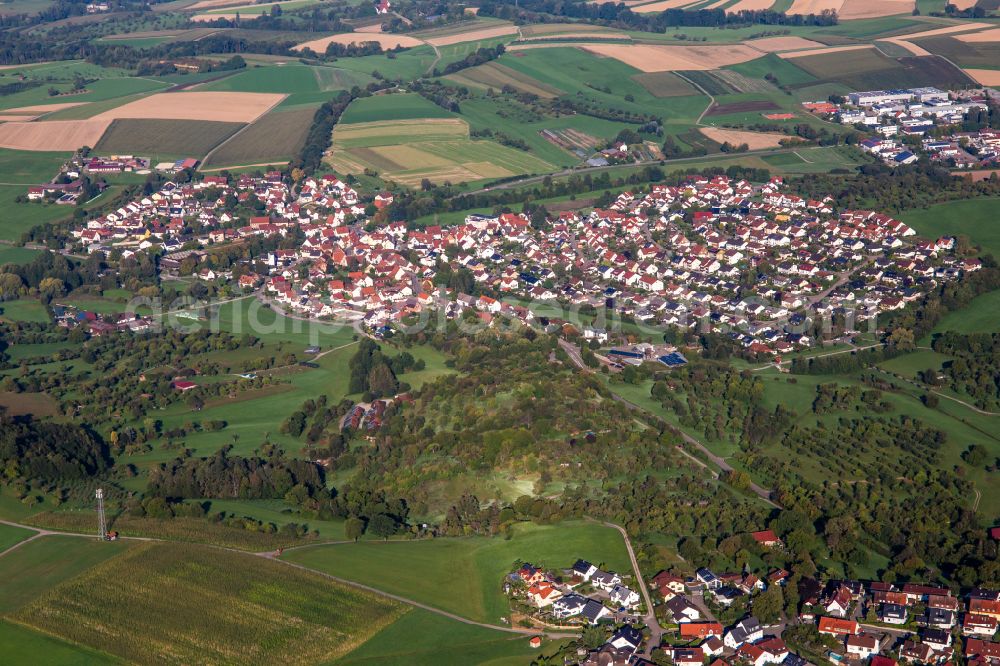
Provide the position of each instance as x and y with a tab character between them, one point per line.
747	630
862	646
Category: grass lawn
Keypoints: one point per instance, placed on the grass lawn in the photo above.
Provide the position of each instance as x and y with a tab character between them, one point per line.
37	567
206	605
20	645
406	106
17	255
975	218
279	513
10	535
465	575
29	311
422	638
980	316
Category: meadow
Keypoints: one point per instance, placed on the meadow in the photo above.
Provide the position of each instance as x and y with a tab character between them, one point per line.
465	575
200	604
20	645
10	536
975	218
422	638
407	106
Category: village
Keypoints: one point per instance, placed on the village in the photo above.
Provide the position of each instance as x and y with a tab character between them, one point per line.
752	261
839	621
907	122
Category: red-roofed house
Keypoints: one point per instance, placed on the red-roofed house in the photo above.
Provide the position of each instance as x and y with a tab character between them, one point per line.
766	538
835	626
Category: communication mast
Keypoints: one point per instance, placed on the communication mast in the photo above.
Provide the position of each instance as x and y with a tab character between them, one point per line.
102	528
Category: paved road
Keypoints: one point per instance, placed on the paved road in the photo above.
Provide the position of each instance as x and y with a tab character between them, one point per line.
655	630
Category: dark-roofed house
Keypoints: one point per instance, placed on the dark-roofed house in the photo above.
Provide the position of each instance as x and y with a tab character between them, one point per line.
627	637
683	610
747	630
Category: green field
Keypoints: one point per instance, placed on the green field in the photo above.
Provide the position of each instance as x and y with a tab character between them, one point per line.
274	138
201	604
464	575
10	535
163	139
21	169
665	84
867	69
980	316
975	218
405	66
964	54
421	638
408	106
36	567
20	645
30	311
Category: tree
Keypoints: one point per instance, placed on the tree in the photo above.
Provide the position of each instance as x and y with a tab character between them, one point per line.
354	527
767	607
593	637
382	525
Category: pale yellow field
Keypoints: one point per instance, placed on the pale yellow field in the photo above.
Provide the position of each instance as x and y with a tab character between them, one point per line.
963	4
205	18
754	140
418	128
774	44
474	35
750	5
52	134
866	9
387	41
992	35
5	118
661	6
987	77
374	27
237	107
44	108
909	46
806	7
542	29
213	4
656	58
947	30
829	49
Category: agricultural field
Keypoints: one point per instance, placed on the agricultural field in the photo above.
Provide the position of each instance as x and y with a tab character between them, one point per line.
208	605
975	218
463	576
39	405
165	139
10	536
963	53
496	76
868	69
392	107
303	84
275	138
37	567
665	84
21	645
20	170
422	637
437	149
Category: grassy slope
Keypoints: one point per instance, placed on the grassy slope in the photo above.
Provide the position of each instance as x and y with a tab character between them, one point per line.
417	639
21	645
464	575
38	566
975	218
21	169
12	535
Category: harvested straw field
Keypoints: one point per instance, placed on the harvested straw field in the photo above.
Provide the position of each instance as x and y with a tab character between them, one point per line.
232	107
775	44
663	5
597	36
750	6
43	108
6	118
754	140
909	46
987	77
386	41
653	58
829	49
52	135
806	7
868	9
991	35
474	35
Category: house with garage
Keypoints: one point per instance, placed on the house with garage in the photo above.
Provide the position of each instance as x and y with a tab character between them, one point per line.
747	630
682	610
623	596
